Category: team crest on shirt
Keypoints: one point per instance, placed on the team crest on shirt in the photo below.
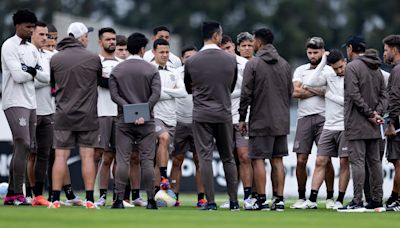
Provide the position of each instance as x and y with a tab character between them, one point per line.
22	122
172	77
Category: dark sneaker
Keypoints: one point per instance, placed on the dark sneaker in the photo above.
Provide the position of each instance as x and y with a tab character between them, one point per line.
118	204
209	207
278	205
9	200
373	204
352	207
390	202
395	206
151	204
258	206
234	206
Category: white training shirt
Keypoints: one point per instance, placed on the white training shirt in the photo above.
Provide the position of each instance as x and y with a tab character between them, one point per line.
184	105
45	102
316	104
17	85
235	96
174	62
172	87
105	106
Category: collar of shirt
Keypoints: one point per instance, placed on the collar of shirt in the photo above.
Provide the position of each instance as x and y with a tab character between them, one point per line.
134	57
209	46
19	40
160	67
102	58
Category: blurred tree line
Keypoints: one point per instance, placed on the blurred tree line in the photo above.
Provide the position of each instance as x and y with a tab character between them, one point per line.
292	21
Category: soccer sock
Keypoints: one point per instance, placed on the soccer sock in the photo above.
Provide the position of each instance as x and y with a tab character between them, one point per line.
280	198
274	194
38	190
163	172
68	192
313	195
89	196
103	193
247	192
177	195
329	194
395	195
254	195
135	194
200	196
340	197
127	192
302	193
56	196
28	191
261	198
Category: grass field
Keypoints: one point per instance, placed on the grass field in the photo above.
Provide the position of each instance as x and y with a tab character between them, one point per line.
189	216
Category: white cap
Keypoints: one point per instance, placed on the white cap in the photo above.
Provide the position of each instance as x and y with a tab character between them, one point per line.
78	29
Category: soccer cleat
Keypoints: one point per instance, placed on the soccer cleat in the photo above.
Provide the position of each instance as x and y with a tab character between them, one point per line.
118	204
209	207
127	204
258	206
234	206
9	200
390	202
201	203
101	202
298	203
139	202
151	204
40	201
74	202
352	207
373	204
21	201
278	205
164	184
337	205
54	205
29	199
248	203
177	204
224	205
90	205
307	205
329	204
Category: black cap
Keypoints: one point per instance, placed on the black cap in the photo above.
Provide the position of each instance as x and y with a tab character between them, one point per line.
355	41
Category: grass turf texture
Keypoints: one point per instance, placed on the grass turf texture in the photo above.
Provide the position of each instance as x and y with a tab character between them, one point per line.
189	216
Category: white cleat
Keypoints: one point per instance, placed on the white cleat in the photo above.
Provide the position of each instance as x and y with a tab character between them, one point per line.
225	205
101	202
127	204
298	203
306	205
337	205
139	202
74	202
330	204
29	199
249	202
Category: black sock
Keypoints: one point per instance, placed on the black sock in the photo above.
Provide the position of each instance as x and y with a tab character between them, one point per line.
340	197
280	198
156	189
254	195
247	192
10	193
394	195
68	192
127	192
50	190
200	196
313	195
38	190
274	194
28	191
56	196
302	194
329	194
261	198
163	172
135	194
114	193
177	195
89	196
103	193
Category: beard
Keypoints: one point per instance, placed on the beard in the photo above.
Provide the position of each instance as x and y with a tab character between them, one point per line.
110	49
315	62
389	60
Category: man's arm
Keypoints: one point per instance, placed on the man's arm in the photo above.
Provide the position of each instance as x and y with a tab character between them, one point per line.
318	78
12	61
335	98
188	80
247	91
155	90
383	96
300	92
177	92
318	91
115	96
394	97
234	78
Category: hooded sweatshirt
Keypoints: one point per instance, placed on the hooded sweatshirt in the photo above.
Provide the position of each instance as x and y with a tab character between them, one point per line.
365	92
267	88
75	72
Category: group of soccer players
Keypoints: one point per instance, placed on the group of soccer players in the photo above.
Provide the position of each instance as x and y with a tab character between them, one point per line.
232	95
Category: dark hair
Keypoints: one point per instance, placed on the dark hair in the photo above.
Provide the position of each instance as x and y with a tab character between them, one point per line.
392	41
136	41
209	28
226	39
334	56
104	30
188	48
315	43
357	48
51	28
40	24
244	36
24	16
265	35
121	40
158	42
160	28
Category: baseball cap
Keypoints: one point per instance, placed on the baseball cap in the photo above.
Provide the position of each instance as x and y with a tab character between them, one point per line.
315	43
355	41
78	29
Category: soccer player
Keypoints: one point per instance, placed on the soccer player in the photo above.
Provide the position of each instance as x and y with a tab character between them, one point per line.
269	111
121	49
364	102
183	138
332	142
245	45
210	76
391	56
172	87
76	121
162	32
20	64
135	81
311	118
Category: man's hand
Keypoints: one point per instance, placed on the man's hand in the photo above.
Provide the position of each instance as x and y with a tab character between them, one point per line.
390	131
139	121
28	69
300	92
376	119
243	128
318	91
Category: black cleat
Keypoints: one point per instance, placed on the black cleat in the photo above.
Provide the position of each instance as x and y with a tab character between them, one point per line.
352	206
118	204
258	206
234	206
209	207
373	204
151	204
278	205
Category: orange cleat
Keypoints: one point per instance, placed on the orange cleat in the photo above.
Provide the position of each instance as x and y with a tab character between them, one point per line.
40	201
90	205
54	205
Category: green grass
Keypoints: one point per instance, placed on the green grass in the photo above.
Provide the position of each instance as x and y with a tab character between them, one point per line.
189	216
